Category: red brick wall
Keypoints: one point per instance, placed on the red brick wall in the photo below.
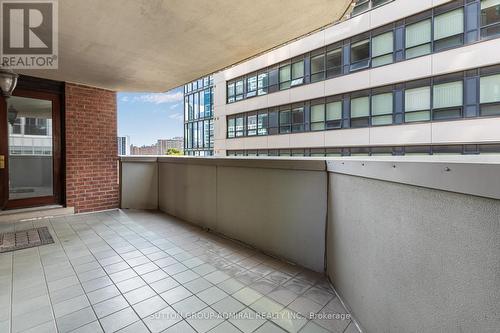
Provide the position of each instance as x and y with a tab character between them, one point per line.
91	149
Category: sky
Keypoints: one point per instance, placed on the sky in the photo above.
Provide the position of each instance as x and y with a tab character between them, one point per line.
147	117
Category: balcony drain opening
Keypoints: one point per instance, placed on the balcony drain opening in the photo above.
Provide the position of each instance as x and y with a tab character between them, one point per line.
13	241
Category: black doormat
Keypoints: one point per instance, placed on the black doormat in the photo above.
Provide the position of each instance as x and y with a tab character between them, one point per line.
13	241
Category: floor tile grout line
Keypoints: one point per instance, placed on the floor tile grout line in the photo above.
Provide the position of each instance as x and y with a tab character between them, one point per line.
210	306
180	284
207	305
157	294
47	285
11	292
180	246
115	284
85	293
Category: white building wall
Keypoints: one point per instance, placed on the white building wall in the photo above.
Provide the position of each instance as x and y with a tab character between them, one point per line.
480	54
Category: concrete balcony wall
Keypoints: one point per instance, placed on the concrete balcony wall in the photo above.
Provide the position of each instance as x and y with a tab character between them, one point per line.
411	243
138	182
272	205
407	258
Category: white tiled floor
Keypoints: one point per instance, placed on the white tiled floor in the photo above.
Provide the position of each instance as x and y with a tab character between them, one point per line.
138	271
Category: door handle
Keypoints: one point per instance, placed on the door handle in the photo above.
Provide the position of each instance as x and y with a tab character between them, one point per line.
2	162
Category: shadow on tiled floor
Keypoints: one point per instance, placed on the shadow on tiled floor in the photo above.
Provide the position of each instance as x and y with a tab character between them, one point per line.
139	271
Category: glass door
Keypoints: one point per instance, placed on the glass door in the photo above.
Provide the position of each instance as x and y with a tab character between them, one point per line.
32	165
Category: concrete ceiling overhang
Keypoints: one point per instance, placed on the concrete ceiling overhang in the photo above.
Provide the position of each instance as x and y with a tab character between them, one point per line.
157	45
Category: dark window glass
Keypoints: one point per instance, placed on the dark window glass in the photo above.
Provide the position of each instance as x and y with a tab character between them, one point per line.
417	150
252	86
240	126
360	55
262	83
285	121
297	73
208	100
334	63
333	152
361	6
489	149
443	150
239	90
262	123
381	151
284	77
252	125
298	119
490	18
318	68
376	3
273	122
230	92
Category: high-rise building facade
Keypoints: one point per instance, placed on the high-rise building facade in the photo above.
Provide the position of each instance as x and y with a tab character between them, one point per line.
165	144
123	145
397	78
198	117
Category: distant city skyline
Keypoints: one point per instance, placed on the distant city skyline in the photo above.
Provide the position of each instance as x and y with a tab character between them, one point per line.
148	117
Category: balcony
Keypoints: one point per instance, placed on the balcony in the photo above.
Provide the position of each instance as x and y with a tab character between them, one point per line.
269	245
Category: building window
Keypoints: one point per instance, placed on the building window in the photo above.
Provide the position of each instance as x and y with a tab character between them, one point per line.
240	126
298	119
490	18
252	124
202	104
273	122
196	106
360	111
318	68
239	90
208	102
191	107
333	62
382	49
418	39
447	100
230	92
334	115
17	127
490	95
297	73
449	29
206	134
382	108
318	117
376	3
252	86
360	55
360	7
417	150
284	77
285	121
262	83
262	123
417	104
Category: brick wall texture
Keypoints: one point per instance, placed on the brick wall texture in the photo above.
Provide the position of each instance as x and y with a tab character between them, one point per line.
91	149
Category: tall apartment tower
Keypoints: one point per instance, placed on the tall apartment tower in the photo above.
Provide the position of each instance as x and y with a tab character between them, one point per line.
198	117
398	77
123	145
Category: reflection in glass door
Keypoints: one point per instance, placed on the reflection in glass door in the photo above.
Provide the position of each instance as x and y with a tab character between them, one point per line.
30	145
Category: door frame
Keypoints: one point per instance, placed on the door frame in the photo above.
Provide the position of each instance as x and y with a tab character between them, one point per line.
4	151
57	167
